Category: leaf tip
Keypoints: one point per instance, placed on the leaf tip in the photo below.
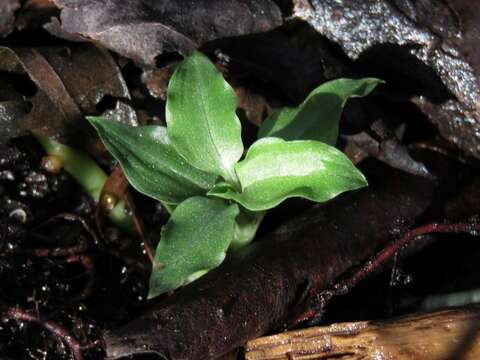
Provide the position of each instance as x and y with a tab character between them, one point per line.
156	286
95	121
361	180
152	293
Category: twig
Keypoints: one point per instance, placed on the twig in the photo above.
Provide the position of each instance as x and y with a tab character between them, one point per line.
76	249
89	266
59	331
140	228
71	217
103	247
374	265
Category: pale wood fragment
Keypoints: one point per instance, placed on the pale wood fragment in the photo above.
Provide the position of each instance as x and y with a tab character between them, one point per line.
418	337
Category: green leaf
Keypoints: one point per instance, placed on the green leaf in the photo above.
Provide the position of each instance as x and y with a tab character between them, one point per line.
275	169
150	162
194	241
318	116
201	119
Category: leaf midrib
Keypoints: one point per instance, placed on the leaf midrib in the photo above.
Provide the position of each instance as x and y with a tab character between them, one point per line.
167	170
209	125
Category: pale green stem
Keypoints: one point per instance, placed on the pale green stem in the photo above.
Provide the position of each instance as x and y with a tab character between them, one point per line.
89	175
246	226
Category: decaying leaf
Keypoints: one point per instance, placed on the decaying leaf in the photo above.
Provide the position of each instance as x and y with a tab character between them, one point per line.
7	15
389	150
12	107
60	85
142	30
35	13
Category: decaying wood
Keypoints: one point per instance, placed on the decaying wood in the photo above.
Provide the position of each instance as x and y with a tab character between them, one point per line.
433	336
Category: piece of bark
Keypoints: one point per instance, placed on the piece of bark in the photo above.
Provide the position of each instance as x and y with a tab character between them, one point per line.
7	16
423	49
431	336
254	292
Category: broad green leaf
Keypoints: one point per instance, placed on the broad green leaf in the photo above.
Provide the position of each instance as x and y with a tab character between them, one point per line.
194	241
201	119
150	162
275	169
318	116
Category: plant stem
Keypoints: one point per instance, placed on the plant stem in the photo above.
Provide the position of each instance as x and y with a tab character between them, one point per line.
246	226
88	174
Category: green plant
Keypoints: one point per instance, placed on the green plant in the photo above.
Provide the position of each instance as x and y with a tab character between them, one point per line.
195	167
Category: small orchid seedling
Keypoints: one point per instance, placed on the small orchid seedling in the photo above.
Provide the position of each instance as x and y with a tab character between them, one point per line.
195	165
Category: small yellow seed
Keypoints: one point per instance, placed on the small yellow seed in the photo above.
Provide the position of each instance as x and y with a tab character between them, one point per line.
52	163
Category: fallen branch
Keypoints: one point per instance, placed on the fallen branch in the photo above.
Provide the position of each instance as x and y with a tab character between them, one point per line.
427	337
79	248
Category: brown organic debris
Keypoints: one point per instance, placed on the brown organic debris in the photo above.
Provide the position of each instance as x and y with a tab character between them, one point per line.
144	30
65	83
7	16
417	337
426	47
